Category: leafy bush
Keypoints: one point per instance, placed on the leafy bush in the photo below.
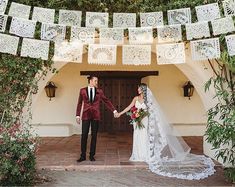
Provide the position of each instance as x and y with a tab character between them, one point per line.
17	155
221	118
230	174
18	146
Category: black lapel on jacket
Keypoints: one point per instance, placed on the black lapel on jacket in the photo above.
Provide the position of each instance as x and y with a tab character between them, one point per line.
87	93
95	93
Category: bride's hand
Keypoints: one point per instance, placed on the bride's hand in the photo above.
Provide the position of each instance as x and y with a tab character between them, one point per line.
118	115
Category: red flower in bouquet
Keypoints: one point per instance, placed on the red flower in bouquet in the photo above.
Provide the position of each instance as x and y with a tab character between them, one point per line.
136	116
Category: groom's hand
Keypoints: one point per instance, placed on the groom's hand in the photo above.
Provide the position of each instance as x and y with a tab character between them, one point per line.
78	120
115	113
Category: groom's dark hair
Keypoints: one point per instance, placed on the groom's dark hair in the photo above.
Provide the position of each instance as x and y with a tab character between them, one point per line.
90	77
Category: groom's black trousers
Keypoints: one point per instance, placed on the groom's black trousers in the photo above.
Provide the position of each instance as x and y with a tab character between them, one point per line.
85	130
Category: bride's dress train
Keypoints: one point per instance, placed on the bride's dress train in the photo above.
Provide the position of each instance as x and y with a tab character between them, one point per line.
165	151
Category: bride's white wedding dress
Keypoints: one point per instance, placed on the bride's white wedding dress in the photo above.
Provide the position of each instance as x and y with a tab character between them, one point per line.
163	149
140	148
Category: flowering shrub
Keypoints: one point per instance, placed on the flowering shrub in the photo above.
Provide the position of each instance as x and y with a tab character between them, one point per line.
136	116
17	155
18	81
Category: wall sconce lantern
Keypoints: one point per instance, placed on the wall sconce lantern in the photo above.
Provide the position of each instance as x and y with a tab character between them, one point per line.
50	89
188	89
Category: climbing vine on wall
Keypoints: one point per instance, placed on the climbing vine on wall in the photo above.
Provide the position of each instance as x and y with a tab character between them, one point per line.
18	78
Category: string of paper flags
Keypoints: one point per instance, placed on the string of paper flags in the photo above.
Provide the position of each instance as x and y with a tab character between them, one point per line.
170	48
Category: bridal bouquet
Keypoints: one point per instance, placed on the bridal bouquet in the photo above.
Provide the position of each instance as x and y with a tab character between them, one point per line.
136	116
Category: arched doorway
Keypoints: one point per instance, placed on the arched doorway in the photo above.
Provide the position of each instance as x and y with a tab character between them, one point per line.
120	87
195	72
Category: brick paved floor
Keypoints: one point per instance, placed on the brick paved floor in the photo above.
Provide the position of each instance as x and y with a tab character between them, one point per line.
113	150
126	177
57	159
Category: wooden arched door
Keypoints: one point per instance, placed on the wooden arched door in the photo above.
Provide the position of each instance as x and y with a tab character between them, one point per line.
121	92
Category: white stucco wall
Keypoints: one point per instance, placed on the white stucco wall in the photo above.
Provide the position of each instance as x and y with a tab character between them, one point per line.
187	115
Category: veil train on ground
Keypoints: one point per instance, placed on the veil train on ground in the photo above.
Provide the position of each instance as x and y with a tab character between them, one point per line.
169	154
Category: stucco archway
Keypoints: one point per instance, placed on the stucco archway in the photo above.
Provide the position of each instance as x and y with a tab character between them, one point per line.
197	72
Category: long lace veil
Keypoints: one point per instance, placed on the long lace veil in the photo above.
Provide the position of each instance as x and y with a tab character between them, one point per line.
169	154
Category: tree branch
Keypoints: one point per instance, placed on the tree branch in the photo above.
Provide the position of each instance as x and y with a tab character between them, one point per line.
212	67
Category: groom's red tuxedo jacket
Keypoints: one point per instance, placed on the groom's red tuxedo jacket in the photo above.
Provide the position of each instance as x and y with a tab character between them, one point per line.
91	110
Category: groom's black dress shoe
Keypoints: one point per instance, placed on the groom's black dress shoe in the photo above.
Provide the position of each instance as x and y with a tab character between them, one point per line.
92	158
81	159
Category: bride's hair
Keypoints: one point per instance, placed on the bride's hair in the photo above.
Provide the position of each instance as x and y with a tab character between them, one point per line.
143	87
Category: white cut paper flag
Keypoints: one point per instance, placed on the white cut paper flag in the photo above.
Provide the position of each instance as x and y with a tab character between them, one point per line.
19	10
23	27
229	7
197	30
169	33
112	36
141	35
53	32
3	5
3	22
97	20
43	15
136	54
102	54
68	52
151	19
230	41
8	44
35	48
205	49
208	12
83	35
170	53
124	20
70	18
222	25
179	16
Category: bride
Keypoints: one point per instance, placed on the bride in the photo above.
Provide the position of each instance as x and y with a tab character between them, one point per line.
159	145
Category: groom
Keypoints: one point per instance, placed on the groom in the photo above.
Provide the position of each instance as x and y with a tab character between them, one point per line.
89	99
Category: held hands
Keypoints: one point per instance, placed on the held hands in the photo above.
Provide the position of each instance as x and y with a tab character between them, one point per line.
117	115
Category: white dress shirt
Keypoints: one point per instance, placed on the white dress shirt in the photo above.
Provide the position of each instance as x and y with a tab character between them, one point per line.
93	92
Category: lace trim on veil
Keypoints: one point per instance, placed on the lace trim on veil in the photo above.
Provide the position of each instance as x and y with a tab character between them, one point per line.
169	154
